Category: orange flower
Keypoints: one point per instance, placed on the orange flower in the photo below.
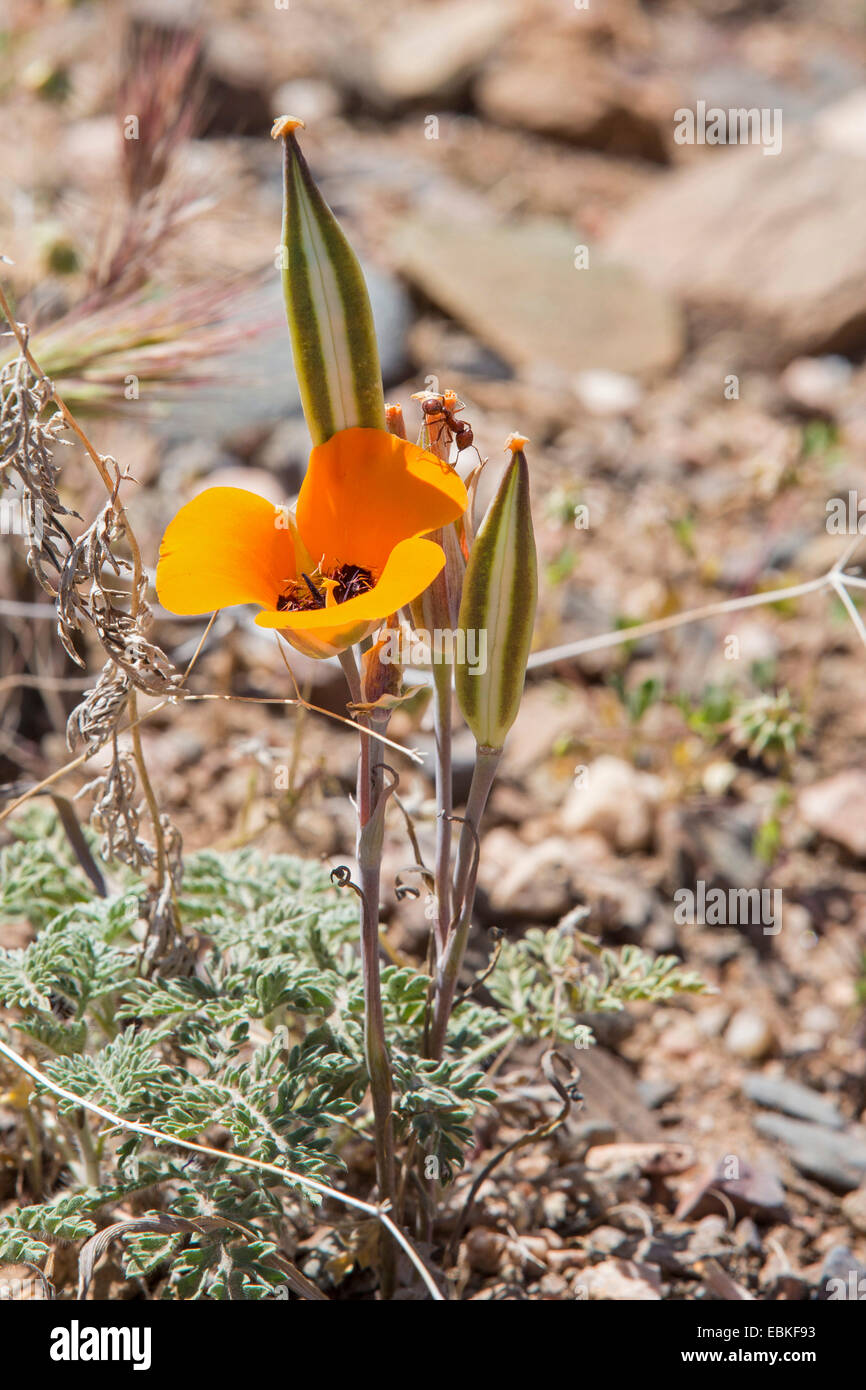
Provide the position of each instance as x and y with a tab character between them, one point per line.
350	557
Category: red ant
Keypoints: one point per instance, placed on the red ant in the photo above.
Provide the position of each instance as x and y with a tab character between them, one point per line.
435	409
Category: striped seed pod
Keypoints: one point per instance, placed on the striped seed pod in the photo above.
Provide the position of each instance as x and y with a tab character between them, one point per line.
327	305
497	611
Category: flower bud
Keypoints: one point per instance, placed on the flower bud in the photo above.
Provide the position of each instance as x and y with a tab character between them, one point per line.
327	305
499	598
381	677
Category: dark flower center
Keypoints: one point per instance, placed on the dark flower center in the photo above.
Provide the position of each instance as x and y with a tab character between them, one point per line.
307	591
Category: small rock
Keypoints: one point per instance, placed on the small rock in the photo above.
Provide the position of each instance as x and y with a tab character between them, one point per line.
655	1094
842	1276
485	1249
854	1209
717	777
607	1239
311	98
535	886
820	1018
768	221
712	1019
515	286
556	84
679	1038
817	383
555	1207
778	1093
553	1286
835	1158
614	1160
708	1235
560	1260
842	126
410	64
754	1192
551	1239
607	393
620	1280
747	1235
749	1035
617	801
836	808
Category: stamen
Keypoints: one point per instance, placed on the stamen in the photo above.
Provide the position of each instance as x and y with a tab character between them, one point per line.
317	598
352	580
343	582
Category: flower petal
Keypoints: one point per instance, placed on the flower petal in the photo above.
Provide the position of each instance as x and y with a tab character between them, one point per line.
226	546
366	490
411	566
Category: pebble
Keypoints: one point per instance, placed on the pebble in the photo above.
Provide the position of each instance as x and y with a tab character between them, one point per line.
621	1280
817	383
789	1097
749	1035
835	807
842	1266
768	221
553	1286
747	1235
617	801
607	1239
607	393
842	126
655	1094
566	1259
835	1158
854	1209
708	1235
312	98
485	1249
514	286
411	64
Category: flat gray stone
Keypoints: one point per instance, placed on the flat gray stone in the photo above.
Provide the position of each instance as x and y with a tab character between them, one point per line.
773	244
515	286
835	1158
778	1093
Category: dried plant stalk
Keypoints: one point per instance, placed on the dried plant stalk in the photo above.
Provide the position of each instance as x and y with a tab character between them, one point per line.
83	577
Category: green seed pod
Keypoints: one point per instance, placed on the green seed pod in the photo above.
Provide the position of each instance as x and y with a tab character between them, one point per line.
327	305
497	611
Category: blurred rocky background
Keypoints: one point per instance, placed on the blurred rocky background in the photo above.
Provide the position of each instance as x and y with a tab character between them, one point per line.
680	329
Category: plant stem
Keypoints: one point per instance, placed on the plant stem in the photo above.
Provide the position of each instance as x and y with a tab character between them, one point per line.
371	824
438	610
88	1152
371	816
444	800
486	764
34	1138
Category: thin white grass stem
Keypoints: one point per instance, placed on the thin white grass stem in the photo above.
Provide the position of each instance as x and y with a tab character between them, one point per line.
286	1174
